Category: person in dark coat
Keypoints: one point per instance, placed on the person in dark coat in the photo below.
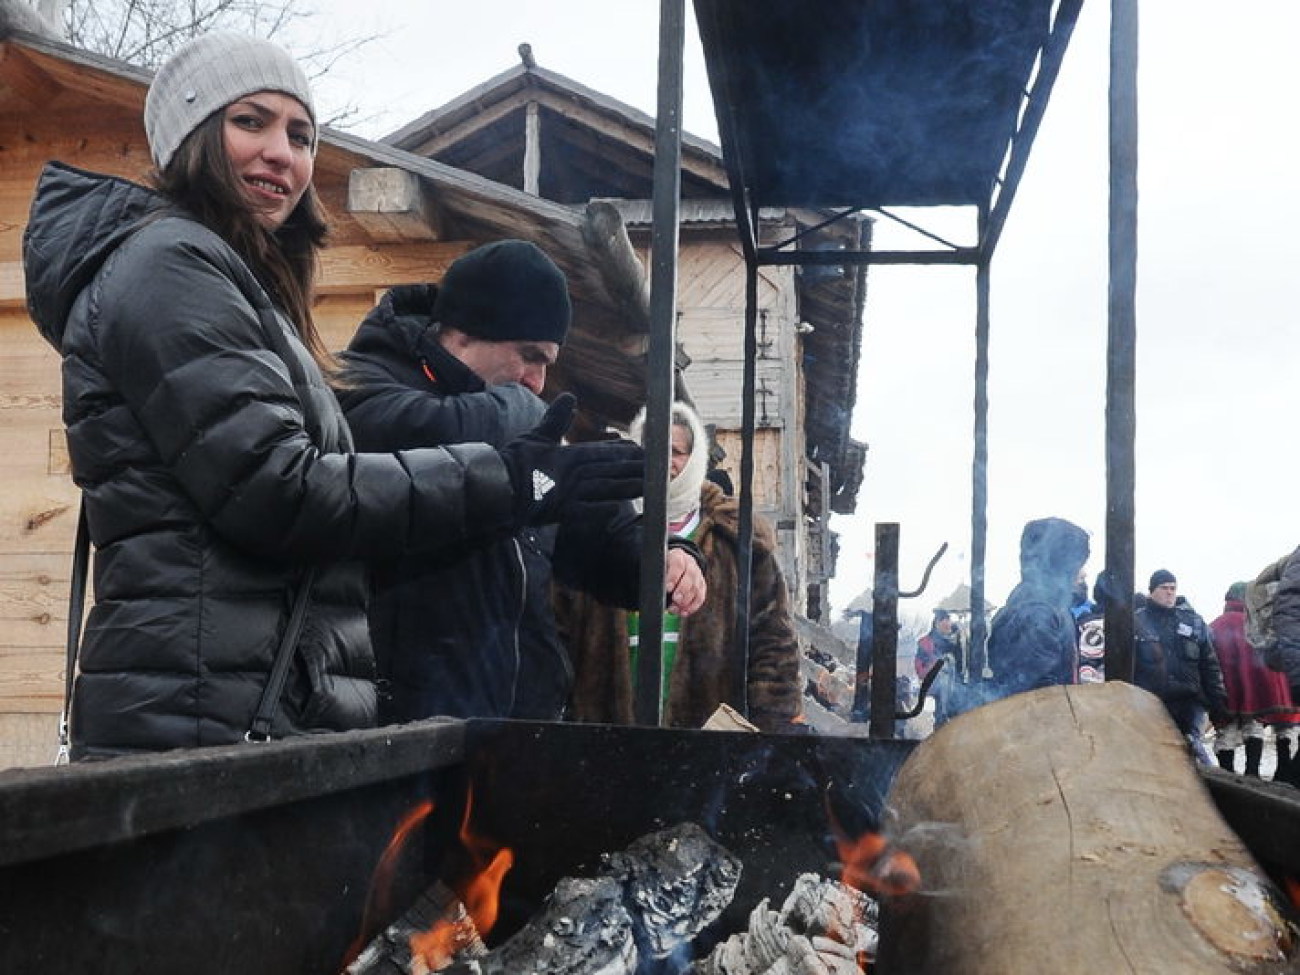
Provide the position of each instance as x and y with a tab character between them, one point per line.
942	642
470	631
1033	641
1285	656
701	662
217	470
1257	696
1175	658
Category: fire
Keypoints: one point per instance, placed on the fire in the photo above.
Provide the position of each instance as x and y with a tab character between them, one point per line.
381	883
1293	891
479	891
871	865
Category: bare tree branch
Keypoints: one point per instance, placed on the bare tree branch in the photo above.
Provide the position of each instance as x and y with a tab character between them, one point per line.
147	32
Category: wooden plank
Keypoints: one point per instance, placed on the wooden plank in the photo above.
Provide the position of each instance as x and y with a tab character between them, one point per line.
34	600
392	205
767	465
31	680
28	740
338	315
21	78
37	514
532	150
358	268
13	289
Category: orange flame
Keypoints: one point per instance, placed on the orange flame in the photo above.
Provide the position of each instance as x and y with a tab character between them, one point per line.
871	865
377	899
480	894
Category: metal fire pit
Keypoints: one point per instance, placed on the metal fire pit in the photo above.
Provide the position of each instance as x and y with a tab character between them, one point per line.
260	858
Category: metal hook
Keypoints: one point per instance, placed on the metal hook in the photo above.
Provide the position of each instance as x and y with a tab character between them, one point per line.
926	681
925	579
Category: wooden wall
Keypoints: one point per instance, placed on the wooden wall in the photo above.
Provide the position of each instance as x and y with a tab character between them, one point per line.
711	329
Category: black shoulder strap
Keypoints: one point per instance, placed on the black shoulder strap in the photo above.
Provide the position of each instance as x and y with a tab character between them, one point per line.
76	606
263	719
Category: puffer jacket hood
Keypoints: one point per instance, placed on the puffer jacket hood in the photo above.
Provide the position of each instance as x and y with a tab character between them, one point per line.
1052	551
77	220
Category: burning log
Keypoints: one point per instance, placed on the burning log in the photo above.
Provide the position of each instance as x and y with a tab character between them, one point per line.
823	928
676	882
584	929
647	901
391	953
1065	830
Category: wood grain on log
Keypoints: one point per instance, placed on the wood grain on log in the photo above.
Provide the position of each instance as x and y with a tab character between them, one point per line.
1065	830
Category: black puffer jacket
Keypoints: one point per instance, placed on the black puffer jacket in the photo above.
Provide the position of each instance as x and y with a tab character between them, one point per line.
216	467
473	636
1175	658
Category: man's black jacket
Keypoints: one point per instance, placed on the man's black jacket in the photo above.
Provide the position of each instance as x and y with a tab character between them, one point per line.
471	634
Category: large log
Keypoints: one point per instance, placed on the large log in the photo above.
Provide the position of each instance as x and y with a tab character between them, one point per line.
1065	830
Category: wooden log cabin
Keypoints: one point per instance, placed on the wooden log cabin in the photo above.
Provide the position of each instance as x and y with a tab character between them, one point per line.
529	154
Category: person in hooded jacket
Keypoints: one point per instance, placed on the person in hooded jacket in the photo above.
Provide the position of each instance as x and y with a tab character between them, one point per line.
701	664
218	474
471	632
1033	640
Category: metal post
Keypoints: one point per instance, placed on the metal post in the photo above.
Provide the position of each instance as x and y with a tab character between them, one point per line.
884	611
745	569
976	657
648	704
1121	414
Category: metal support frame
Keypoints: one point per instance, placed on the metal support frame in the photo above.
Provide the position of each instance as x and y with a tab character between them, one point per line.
993	214
648	702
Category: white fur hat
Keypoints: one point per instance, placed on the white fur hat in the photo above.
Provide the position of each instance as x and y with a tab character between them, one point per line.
209	73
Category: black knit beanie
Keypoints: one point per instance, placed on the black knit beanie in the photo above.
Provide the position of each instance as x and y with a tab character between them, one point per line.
1159	578
505	291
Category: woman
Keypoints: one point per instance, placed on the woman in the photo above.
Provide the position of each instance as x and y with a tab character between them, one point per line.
216	467
700	653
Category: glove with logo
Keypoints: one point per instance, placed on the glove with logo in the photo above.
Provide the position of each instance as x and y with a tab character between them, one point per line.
551	480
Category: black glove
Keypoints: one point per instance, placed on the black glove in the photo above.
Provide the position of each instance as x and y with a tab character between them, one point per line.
550	479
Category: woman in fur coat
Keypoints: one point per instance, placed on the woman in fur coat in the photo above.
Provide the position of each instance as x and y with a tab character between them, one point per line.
700	653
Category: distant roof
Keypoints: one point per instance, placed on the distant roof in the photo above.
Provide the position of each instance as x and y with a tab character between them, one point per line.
849	103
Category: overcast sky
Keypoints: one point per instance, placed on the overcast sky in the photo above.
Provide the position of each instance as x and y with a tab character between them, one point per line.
1218	300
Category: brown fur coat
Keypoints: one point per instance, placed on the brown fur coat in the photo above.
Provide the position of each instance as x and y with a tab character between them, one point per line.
704	673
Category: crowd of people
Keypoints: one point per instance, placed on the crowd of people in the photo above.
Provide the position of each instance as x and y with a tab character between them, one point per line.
1217	687
388	522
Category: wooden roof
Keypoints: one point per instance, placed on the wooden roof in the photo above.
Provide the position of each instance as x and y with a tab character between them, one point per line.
594	146
606	147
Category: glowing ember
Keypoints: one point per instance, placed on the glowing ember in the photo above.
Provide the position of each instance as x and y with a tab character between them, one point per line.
871	865
377	899
480	893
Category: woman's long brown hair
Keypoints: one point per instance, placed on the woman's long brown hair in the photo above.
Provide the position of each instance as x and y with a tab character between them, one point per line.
201	180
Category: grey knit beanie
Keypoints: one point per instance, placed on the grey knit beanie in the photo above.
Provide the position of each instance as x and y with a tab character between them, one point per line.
207	74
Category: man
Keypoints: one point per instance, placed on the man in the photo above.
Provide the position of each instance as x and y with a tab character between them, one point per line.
1176	659
943	642
1033	641
473	634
